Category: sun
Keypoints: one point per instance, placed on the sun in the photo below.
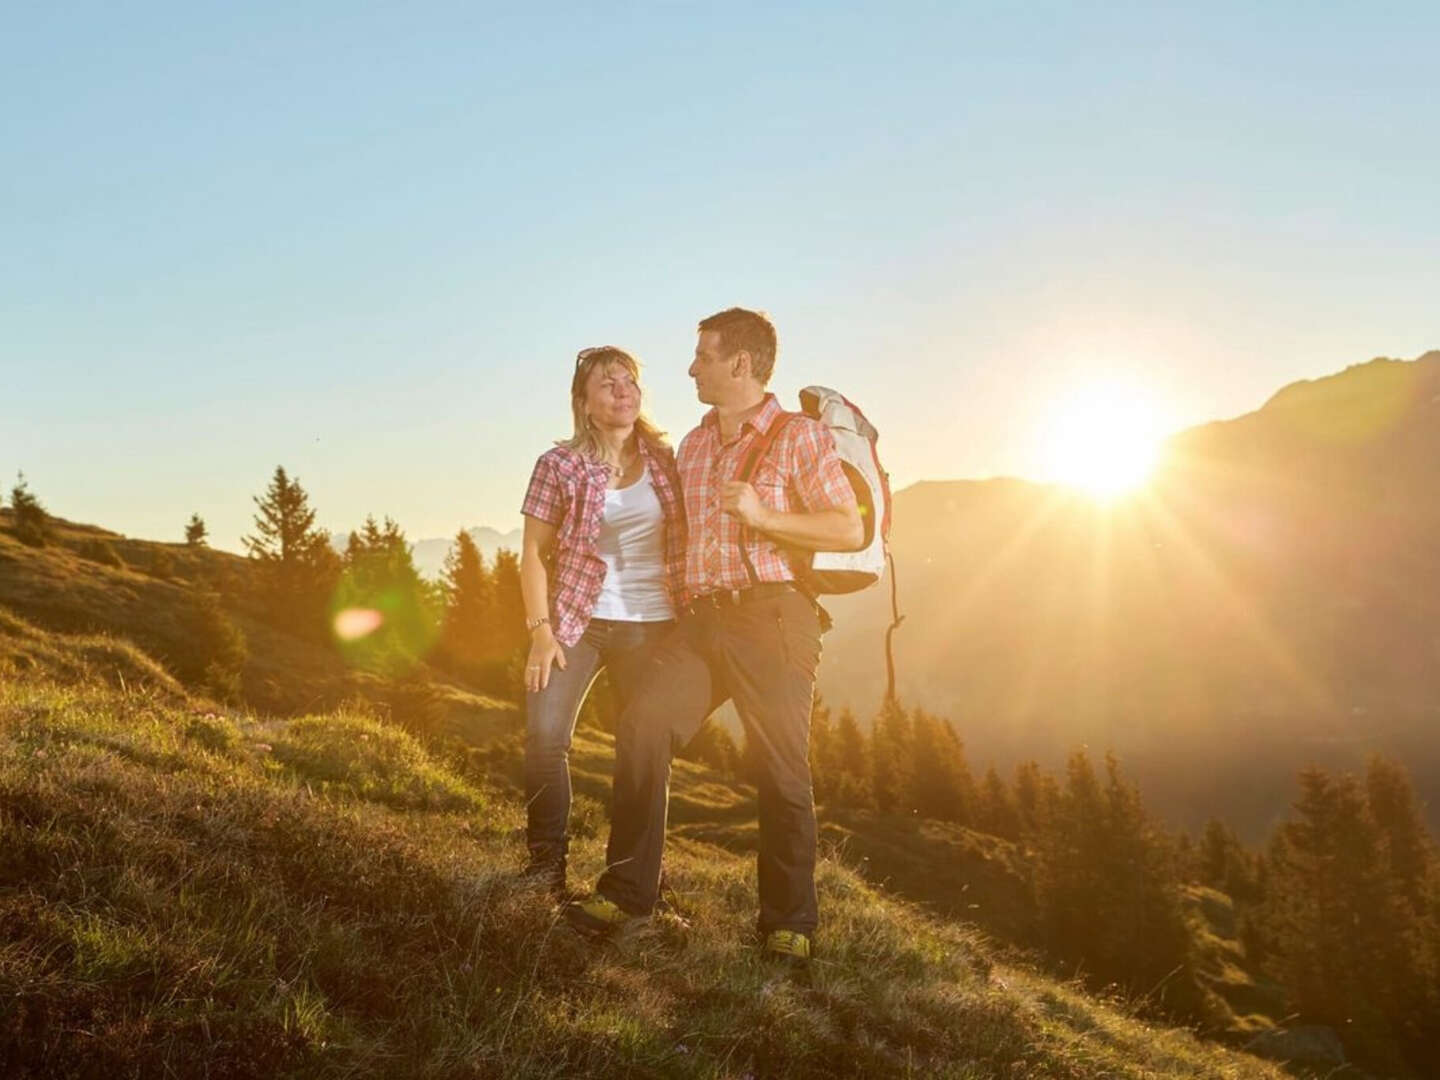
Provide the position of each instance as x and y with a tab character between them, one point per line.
1103	439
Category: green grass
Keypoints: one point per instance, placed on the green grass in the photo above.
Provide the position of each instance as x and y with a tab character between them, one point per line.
189	892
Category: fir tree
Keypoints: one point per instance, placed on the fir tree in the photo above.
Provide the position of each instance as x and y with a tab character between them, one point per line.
1343	936
823	764
995	810
852	783
892	755
195	531
714	746
299	568
1224	864
1033	797
941	786
509	632
32	523
469	597
1408	852
379	576
1106	889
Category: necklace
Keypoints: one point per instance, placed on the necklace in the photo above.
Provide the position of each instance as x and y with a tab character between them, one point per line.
617	469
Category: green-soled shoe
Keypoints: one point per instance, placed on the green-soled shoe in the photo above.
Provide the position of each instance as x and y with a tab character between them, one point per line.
596	915
787	945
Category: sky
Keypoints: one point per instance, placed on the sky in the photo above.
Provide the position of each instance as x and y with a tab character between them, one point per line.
364	242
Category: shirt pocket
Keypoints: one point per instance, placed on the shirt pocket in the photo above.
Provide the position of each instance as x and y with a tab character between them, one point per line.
769	484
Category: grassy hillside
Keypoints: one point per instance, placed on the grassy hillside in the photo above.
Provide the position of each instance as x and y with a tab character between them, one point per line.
322	897
91	581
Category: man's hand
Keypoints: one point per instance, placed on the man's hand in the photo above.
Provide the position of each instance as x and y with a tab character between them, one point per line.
741	501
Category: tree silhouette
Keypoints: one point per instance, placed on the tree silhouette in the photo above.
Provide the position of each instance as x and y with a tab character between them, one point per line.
298	566
379	579
852	783
469	619
195	531
32	523
995	810
891	748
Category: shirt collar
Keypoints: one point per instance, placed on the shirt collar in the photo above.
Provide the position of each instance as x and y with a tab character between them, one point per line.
759	423
646	451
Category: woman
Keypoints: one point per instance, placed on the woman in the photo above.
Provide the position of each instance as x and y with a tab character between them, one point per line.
601	568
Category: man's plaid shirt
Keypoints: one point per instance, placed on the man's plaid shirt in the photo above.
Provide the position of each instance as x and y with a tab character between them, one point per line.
567	490
800	472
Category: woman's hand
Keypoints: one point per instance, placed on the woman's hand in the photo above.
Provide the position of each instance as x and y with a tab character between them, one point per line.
544	651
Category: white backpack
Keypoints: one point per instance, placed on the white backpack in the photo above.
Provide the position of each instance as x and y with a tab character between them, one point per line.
829	572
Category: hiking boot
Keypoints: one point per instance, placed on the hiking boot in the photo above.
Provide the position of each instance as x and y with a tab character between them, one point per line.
547	868
596	915
789	945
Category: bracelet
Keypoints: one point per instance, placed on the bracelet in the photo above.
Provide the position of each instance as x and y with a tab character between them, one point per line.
531	625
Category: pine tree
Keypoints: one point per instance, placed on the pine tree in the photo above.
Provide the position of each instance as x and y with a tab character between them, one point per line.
1224	864
892	755
713	745
1105	885
1408	852
284	523
938	789
995	810
379	576
508	629
469	592
32	523
1215	842
823	765
1343	935
195	531
1033	798
851	786
298	566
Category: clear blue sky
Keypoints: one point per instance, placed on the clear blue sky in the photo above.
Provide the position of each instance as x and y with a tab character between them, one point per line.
365	241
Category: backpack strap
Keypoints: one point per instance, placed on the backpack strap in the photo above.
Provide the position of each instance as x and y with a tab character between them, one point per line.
756	454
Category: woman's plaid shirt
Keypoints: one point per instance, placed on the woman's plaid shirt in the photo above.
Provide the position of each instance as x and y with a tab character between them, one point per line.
800	472
567	490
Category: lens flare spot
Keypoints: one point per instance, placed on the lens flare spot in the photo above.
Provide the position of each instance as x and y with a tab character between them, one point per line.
354	623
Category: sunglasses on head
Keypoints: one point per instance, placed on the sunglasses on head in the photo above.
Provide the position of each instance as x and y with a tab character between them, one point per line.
599	350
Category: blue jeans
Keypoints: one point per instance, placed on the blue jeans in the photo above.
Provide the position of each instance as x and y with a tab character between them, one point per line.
550	714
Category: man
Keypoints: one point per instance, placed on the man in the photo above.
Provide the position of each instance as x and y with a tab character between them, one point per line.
746	632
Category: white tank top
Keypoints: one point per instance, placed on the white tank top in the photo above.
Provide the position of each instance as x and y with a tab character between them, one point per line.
632	543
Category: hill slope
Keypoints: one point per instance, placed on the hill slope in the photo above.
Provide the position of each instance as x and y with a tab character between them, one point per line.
320	897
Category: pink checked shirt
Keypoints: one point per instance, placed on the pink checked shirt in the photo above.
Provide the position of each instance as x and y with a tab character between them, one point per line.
568	491
800	472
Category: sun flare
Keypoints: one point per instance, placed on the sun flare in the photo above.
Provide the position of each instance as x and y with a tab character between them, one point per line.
1104	440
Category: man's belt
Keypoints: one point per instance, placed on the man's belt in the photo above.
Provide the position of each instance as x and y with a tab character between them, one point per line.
723	598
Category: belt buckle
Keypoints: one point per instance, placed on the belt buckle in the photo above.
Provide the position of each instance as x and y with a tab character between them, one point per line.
735	596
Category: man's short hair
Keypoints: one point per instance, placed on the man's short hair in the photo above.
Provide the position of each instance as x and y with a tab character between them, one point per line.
749	330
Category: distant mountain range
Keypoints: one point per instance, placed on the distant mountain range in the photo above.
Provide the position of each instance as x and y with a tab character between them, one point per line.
1273	595
429	555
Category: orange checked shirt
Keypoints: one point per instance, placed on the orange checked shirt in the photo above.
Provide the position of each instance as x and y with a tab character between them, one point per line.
800	472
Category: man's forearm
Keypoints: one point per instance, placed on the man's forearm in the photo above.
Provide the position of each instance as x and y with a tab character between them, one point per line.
839	529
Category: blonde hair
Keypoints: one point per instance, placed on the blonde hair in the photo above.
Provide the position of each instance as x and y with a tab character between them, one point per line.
585	440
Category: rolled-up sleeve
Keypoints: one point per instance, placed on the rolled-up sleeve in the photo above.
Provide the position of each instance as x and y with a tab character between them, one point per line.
819	479
545	497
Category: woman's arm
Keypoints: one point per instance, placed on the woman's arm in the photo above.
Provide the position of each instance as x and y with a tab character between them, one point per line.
535	545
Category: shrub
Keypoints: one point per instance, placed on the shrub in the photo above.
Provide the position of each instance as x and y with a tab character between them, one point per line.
32	523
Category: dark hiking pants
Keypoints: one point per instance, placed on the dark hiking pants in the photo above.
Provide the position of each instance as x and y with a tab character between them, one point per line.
619	647
762	652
